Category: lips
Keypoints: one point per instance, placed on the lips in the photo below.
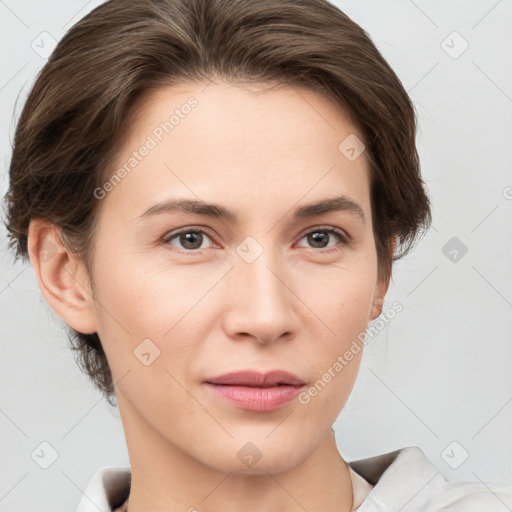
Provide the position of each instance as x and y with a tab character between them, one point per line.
257	379
254	391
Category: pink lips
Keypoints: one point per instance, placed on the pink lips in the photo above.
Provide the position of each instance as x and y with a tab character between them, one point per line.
256	391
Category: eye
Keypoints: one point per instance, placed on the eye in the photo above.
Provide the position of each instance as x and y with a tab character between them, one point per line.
190	239
319	237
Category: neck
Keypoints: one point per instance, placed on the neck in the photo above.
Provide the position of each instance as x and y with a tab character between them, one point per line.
165	478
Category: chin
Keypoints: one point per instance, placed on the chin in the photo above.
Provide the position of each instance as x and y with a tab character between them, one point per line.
257	455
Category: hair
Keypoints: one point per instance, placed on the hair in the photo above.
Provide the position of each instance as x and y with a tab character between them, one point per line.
77	113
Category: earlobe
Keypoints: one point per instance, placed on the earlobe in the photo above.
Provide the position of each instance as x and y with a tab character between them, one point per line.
62	278
378	299
382	286
377	306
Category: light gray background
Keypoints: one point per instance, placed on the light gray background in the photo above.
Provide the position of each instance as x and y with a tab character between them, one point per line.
439	373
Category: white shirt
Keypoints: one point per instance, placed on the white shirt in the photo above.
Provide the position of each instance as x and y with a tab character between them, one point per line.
400	481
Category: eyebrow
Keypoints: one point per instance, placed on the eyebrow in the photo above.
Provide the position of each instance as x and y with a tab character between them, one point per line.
340	203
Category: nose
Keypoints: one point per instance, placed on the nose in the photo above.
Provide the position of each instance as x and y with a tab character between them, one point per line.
262	305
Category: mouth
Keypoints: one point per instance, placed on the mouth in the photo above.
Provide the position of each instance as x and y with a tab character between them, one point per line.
252	378
254	391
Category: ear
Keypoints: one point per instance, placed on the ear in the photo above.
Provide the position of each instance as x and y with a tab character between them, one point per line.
382	287
62	278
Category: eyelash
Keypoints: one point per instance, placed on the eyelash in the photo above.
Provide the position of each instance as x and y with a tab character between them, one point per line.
345	239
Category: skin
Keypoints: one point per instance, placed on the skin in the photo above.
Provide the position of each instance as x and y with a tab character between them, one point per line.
260	153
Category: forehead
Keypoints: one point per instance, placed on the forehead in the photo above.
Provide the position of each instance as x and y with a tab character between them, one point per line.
261	141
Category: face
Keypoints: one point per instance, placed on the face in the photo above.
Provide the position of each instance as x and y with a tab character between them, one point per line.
183	297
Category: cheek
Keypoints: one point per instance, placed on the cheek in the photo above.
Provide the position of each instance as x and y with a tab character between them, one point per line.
147	325
343	306
343	300
138	299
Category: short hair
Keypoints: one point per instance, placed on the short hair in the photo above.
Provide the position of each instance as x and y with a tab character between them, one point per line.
78	111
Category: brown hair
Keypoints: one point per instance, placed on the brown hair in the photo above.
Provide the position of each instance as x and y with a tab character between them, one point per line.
76	114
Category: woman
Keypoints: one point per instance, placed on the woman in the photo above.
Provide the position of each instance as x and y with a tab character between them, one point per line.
212	194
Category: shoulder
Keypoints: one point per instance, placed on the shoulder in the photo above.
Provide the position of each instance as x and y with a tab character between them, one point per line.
473	497
406	480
